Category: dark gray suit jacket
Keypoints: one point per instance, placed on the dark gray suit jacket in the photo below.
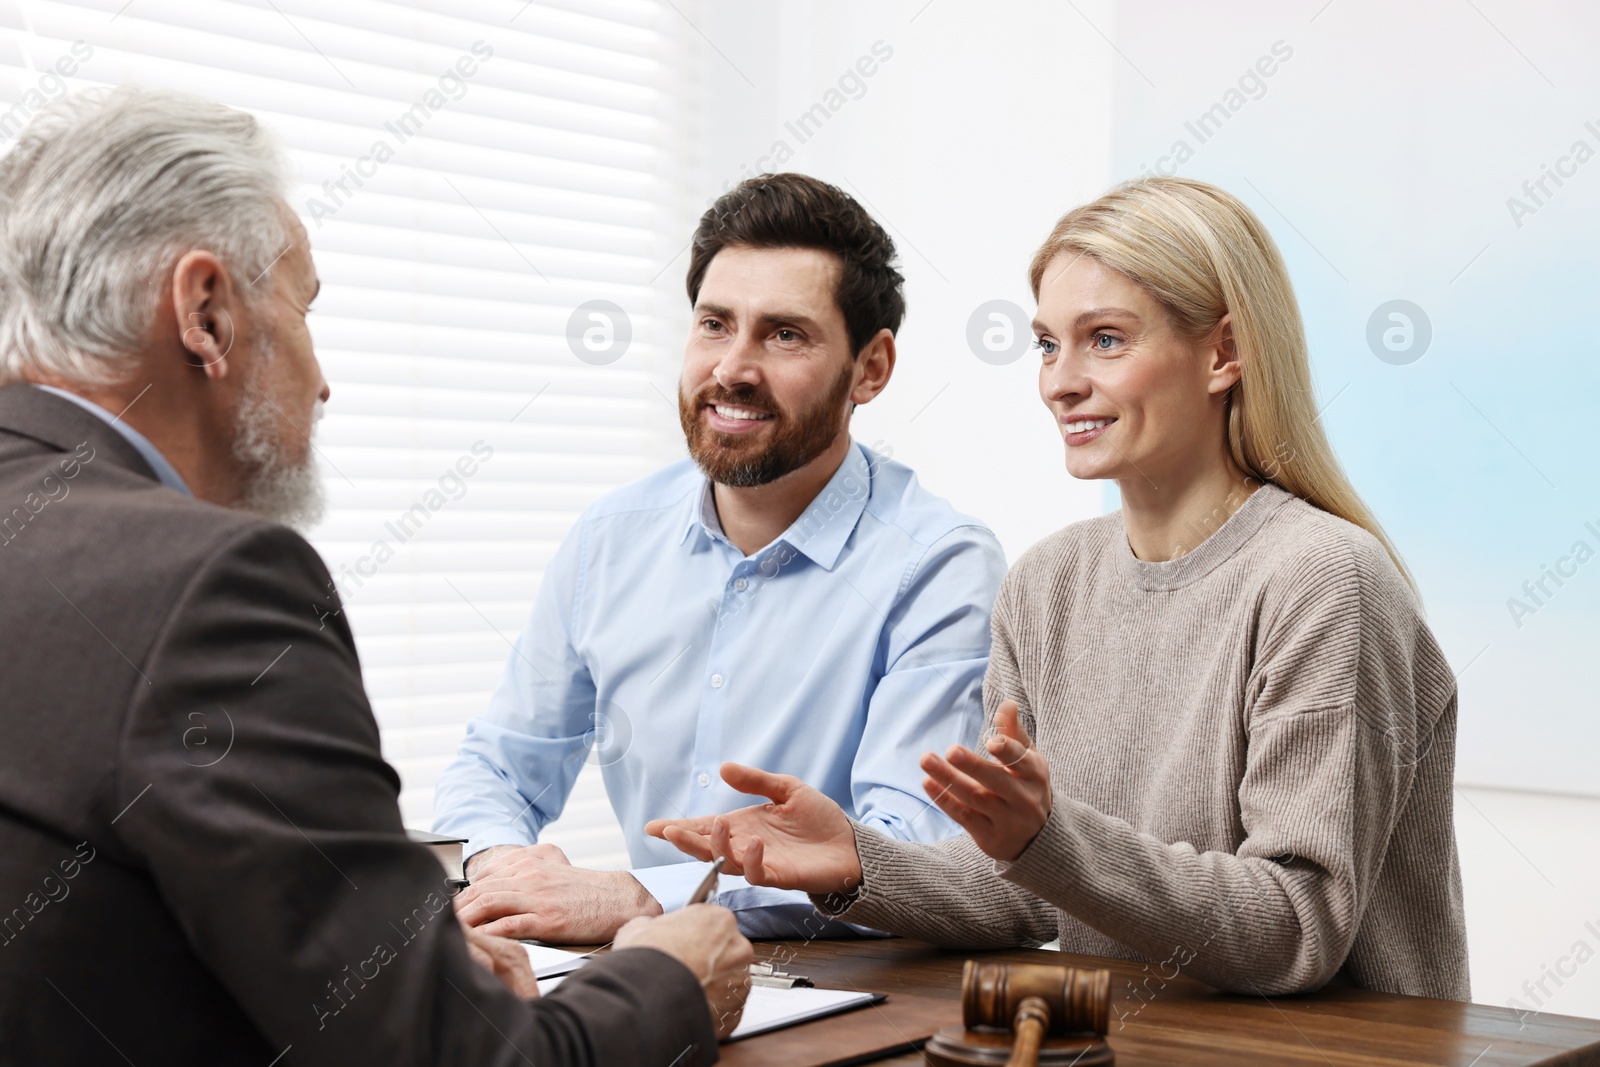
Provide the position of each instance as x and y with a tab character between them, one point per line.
201	855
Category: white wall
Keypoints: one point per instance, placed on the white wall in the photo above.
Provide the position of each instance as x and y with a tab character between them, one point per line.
1533	923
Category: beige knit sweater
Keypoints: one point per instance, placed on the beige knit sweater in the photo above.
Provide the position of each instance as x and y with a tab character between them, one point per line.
1251	749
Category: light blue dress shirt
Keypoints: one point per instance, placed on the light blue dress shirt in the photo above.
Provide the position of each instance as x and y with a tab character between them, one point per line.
838	653
166	473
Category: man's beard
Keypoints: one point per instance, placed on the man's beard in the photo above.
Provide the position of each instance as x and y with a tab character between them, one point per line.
742	462
277	485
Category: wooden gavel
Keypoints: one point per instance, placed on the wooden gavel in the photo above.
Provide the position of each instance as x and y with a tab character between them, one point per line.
1020	1005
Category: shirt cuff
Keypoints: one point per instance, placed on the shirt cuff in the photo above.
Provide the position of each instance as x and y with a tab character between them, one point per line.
798	919
673	883
762	912
487	840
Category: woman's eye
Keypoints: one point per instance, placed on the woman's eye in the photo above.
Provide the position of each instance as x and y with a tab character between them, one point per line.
1102	342
1048	348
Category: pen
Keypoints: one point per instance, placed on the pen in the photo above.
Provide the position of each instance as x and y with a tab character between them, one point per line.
708	886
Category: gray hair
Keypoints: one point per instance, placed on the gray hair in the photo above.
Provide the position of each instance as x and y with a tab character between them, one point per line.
102	193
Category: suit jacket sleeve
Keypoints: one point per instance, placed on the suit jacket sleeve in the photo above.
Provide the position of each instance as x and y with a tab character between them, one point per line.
259	800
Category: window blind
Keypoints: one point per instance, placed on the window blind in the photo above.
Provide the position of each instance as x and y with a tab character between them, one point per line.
474	175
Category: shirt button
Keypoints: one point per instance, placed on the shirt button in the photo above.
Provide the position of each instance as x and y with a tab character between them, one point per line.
739	585
716	681
704	780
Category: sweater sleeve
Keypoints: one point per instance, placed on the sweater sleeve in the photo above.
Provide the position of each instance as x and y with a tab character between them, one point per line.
948	892
1336	714
945	892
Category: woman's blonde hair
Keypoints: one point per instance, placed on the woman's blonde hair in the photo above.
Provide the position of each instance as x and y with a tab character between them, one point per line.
1203	254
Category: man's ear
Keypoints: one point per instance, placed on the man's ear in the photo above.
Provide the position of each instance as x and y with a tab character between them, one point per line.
1223	368
204	306
874	365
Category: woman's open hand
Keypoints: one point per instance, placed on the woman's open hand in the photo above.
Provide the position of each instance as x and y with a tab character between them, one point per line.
1003	801
800	840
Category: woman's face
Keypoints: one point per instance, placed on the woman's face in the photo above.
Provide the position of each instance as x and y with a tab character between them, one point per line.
1133	400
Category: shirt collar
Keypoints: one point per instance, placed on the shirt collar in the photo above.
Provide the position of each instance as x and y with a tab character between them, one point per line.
700	514
821	530
165	472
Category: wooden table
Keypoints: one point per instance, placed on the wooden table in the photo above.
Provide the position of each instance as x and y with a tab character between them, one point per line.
1187	1022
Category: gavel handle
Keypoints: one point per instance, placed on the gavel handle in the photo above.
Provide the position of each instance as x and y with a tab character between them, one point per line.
1030	1026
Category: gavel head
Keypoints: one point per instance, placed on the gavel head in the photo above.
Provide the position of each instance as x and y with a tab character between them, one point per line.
1079	1001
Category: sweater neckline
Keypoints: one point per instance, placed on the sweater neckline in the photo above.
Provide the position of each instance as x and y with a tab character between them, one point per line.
1207	556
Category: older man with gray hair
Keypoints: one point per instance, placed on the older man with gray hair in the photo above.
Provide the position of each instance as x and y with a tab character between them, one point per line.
201	854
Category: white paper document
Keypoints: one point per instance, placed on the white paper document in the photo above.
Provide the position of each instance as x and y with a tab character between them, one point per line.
550	962
770	1008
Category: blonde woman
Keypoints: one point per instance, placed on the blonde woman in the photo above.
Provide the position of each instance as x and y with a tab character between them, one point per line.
1222	736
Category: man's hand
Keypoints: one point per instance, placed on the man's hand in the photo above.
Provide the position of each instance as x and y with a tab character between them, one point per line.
1002	801
506	960
802	840
479	862
533	892
705	938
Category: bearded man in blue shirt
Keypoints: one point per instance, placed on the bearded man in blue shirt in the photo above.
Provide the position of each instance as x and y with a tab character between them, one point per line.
784	598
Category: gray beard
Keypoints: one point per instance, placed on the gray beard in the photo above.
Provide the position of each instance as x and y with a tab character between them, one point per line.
276	487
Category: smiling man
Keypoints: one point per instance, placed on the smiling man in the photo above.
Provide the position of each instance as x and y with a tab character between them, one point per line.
783	595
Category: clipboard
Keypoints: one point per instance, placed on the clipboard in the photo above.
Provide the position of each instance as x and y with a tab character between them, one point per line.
770	1009
885	1026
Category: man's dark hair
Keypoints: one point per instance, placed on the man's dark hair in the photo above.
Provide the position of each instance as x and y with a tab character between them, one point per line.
797	211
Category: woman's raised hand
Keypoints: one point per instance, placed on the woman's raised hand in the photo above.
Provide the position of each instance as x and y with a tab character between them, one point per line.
1002	801
800	840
